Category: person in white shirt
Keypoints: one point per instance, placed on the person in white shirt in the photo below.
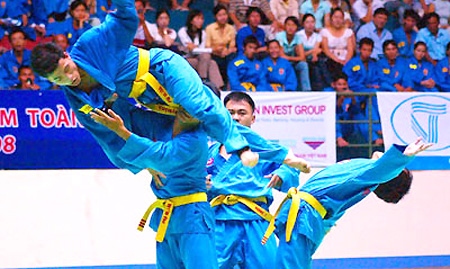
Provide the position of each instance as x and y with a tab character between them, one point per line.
163	36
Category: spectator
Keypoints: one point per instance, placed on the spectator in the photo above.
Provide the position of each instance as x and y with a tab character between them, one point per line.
282	9
320	9
100	8
12	14
405	36
311	44
392	69
293	51
363	12
62	41
375	31
280	73
435	38
238	12
342	4
143	38
193	38
26	79
221	38
184	5
338	42
163	36
362	70
442	72
420	72
11	60
245	72
37	19
443	10
254	20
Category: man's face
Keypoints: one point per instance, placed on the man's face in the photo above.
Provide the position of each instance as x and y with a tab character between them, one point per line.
365	52
25	75
66	74
340	85
18	41
61	41
380	21
433	25
409	23
274	50
254	19
241	111
249	50
391	52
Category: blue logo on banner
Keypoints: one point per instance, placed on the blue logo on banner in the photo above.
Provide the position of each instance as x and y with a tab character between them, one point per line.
425	116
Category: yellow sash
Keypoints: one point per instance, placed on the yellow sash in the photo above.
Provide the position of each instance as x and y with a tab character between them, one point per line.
296	197
276	87
248	86
249	202
167	206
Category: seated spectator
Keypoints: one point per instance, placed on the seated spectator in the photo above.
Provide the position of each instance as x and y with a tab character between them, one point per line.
100	8
37	19
375	30
443	10
75	26
279	71
62	41
282	9
254	20
12	14
27	79
143	38
420	72
311	44
292	50
342	4
245	72
163	36
320	9
221	38
392	70
238	11
405	36
361	70
435	38
11	60
363	12
338	42
184	5
442	72
193	38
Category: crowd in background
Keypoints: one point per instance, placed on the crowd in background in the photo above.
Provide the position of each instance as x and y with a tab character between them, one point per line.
261	45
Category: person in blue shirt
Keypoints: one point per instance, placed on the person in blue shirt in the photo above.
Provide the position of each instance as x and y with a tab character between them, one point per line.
12	15
241	196
253	16
375	30
435	38
420	73
245	72
293	51
316	206
442	72
279	71
406	35
392	69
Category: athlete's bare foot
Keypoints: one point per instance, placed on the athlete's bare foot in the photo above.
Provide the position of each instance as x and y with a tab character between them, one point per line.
249	158
296	162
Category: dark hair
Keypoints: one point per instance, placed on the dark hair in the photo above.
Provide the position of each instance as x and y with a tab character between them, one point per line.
239	96
16	30
420	43
340	75
22	67
142	1
218	8
410	13
45	58
273	41
367	41
292	19
161	11
307	15
395	189
381	11
250	10
251	39
430	15
190	31
334	10
389	42
76	4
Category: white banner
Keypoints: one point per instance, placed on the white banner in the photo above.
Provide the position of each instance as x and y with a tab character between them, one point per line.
302	121
406	116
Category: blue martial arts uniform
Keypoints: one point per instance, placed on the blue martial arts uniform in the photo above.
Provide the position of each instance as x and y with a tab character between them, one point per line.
442	71
360	78
418	72
245	74
105	53
238	228
280	75
337	188
389	75
247	31
405	47
66	28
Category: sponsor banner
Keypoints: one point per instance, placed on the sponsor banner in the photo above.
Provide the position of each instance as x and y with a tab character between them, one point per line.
406	116
38	130
302	121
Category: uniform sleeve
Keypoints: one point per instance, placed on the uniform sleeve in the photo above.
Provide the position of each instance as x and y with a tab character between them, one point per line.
123	23
233	77
291	83
289	175
185	86
183	36
442	75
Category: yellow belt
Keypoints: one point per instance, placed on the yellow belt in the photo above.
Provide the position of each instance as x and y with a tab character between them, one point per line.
249	202
144	77
167	206
276	87
296	197
248	86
